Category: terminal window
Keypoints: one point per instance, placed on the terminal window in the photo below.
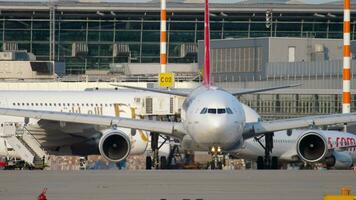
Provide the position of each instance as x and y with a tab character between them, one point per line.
243	59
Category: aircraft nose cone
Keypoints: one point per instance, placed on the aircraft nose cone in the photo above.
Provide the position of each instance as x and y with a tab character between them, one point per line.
222	131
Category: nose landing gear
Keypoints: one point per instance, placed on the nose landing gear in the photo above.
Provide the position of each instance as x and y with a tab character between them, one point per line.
217	158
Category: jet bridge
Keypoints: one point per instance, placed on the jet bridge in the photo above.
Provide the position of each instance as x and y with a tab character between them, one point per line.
25	146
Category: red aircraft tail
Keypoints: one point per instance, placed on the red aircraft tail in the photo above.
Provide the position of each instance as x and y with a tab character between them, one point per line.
206	77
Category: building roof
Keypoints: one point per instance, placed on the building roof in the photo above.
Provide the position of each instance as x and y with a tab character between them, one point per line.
174	5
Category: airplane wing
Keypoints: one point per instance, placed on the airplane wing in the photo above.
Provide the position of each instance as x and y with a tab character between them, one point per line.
172	129
182	93
185	93
258	128
242	92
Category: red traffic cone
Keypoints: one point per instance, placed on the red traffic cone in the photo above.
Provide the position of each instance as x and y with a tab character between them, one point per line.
42	196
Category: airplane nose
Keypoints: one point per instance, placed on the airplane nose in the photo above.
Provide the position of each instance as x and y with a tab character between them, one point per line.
216	124
221	130
217	130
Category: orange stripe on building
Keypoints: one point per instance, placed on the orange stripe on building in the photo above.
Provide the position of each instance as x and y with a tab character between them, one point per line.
346	50
346	74
163	58
346	97
163	36
346	27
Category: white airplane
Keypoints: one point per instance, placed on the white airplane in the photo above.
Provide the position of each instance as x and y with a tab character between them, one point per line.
331	148
334	149
67	137
212	119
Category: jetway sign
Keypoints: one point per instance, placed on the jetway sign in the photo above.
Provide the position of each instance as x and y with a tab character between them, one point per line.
166	80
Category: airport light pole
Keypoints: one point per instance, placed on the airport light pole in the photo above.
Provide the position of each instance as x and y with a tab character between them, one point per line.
346	77
163	55
165	79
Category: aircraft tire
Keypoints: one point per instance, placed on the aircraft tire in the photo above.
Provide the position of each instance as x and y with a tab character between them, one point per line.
212	165
148	162
274	164
220	165
163	162
260	163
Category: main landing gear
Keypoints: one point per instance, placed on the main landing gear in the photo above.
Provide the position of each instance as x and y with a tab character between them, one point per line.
268	161
217	158
156	161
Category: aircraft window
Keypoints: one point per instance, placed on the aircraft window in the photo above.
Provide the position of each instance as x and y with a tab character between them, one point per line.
45	104
106	105
101	104
55	104
203	111
82	104
212	110
14	104
96	104
41	104
78	104
31	104
110	105
221	110
92	104
59	104
68	104
36	104
87	104
73	104
18	104
27	104
23	104
229	111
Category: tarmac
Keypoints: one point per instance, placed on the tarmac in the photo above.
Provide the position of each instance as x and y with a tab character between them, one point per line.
174	185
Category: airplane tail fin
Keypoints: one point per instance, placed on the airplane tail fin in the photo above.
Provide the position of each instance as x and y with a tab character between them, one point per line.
206	77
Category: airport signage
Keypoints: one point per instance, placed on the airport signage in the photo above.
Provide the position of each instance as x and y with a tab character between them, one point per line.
166	80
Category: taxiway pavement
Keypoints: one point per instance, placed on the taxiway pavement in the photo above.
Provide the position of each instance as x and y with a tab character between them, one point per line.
173	185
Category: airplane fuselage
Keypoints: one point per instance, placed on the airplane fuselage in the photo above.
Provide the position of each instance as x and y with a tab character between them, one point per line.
105	103
213	118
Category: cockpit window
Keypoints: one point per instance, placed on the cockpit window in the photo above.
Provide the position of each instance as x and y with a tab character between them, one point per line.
203	111
216	111
221	110
212	110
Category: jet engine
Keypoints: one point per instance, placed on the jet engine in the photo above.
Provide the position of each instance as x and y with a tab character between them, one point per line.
312	147
114	145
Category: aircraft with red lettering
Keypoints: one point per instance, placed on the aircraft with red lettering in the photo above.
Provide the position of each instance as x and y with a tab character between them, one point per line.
334	149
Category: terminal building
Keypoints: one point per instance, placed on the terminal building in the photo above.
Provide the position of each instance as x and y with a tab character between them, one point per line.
92	34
